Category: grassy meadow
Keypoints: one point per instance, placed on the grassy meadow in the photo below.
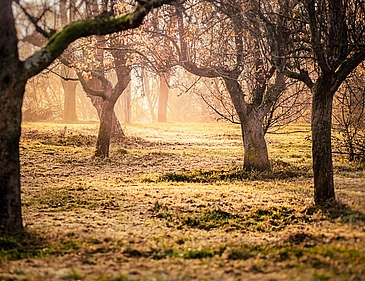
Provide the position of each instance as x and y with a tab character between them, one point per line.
172	203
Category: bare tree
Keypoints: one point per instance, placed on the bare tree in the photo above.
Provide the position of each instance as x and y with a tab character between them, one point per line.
101	91
240	60
163	97
324	42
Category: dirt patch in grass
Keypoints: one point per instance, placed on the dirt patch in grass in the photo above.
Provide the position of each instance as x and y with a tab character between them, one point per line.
172	203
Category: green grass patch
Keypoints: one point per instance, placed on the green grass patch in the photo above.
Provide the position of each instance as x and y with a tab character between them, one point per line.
72	198
28	244
120	277
211	219
266	219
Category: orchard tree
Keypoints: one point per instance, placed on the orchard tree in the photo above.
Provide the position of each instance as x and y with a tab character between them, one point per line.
100	89
291	106
67	14
214	41
14	73
211	40
324	42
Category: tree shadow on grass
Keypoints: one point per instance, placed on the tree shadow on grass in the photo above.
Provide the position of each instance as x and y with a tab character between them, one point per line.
280	170
334	210
23	244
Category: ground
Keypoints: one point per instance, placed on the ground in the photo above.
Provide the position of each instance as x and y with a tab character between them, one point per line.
172	203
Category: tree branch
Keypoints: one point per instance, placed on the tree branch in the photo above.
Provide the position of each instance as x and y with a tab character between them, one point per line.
88	90
301	76
97	26
35	21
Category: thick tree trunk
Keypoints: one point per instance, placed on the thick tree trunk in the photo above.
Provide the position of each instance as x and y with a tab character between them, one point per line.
321	144
12	87
103	142
256	155
10	121
116	129
254	143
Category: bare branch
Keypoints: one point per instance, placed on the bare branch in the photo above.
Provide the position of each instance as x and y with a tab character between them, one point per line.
97	26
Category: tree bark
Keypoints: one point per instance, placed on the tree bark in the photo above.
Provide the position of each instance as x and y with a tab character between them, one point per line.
12	87
321	142
116	129
10	121
103	142
256	156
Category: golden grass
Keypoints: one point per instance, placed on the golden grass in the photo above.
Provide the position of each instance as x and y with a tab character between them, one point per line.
172	203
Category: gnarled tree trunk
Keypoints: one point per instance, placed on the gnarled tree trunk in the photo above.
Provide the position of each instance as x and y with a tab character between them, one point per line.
256	155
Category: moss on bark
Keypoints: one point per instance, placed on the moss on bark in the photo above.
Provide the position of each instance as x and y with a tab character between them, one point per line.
102	25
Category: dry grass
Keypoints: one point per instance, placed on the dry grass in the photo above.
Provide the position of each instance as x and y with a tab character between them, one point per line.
172	203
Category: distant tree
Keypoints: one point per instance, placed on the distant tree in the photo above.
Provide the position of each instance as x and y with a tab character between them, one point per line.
152	55
67	15
148	92
163	97
100	89
69	89
41	102
14	73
